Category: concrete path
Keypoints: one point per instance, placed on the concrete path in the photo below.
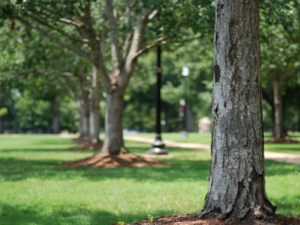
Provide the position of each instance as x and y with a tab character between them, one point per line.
280	157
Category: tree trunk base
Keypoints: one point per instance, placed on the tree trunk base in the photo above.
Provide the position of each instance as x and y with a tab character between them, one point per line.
88	146
282	140
250	218
119	151
81	139
192	219
105	160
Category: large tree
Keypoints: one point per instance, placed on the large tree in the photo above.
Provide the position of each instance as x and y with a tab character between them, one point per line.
119	28
237	180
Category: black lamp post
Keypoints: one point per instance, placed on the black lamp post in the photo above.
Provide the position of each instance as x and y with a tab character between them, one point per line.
158	145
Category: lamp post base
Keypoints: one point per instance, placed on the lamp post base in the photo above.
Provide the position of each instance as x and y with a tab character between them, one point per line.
158	147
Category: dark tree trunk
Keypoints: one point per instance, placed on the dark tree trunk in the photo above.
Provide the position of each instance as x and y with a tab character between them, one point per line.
237	180
1	119
56	126
94	98
113	142
278	125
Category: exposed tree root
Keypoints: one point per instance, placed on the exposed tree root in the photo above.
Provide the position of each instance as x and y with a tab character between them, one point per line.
193	219
105	160
282	140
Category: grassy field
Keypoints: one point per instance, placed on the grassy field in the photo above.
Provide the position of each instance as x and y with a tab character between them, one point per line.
290	148
35	189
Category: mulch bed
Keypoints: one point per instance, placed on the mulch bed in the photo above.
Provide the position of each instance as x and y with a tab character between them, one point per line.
193	219
282	140
104	160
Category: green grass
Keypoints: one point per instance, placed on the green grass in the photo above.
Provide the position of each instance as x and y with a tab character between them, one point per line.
290	148
35	189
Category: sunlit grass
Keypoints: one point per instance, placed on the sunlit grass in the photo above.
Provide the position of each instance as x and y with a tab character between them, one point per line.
35	189
290	148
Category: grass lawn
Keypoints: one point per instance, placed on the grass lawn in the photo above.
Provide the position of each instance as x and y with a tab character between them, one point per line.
35	189
290	148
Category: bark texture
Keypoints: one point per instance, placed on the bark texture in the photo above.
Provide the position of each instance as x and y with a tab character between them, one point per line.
113	142
56	126
85	113
237	181
1	119
278	115
94	108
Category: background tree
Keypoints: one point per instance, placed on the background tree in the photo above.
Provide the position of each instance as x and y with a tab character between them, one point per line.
126	23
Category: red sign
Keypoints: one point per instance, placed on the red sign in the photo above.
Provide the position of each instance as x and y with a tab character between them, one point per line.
181	111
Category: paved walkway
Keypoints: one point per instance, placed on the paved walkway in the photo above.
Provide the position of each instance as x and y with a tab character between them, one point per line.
280	157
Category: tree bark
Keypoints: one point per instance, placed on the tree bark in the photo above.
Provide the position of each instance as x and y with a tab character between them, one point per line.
56	126
80	127
113	143
1	119
237	179
94	98
278	125
85	113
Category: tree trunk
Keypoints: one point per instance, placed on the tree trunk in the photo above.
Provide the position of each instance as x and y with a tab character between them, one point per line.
80	127
237	180
1	119
86	113
56	127
113	143
94	98
278	125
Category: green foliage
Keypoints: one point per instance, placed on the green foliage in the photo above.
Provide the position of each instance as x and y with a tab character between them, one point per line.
150	218
3	112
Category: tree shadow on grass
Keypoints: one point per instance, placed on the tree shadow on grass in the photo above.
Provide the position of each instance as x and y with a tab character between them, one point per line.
65	214
274	168
13	169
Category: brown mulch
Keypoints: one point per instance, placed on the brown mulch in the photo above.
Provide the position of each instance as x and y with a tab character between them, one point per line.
193	219
104	160
89	146
282	140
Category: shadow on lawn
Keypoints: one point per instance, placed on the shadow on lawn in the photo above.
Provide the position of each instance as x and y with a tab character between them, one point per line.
13	169
81	214
64	214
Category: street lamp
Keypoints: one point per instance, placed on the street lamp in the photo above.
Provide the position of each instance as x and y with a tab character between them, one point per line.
158	147
184	104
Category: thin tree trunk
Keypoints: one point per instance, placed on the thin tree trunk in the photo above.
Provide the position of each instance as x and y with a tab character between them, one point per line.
278	125
56	126
237	180
94	109
113	143
86	113
1	119
80	127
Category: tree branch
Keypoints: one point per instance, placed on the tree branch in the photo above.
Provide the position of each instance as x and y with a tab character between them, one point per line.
115	49
54	38
158	41
56	28
136	45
